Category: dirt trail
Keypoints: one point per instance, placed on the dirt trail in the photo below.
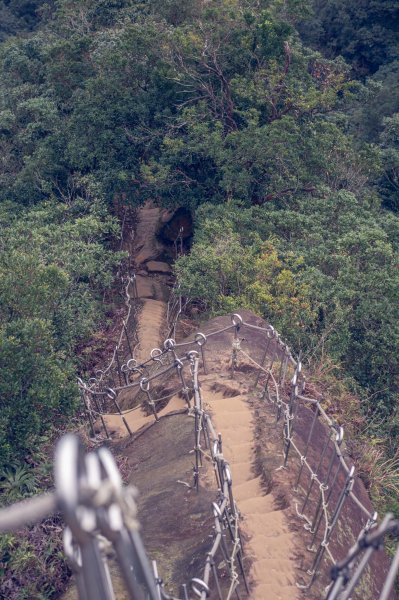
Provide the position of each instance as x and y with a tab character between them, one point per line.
152	274
136	419
270	542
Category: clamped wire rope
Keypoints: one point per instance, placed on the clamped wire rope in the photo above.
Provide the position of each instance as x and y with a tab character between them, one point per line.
346	573
99	512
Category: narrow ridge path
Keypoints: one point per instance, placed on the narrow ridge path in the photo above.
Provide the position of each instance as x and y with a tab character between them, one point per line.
270	542
264	526
136	418
153	291
152	272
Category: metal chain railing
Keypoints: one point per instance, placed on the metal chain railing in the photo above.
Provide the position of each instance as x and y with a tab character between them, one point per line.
123	371
346	574
312	449
324	481
113	372
99	512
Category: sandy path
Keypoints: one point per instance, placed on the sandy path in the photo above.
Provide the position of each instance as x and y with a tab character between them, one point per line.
146	246
151	322
151	289
136	419
270	542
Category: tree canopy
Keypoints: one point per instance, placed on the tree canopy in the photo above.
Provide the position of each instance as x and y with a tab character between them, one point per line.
53	265
216	103
275	122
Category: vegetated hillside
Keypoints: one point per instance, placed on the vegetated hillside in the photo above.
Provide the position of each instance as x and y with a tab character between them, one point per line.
187	102
18	17
366	34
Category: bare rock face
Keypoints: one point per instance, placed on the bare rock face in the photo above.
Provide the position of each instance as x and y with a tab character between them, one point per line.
156	266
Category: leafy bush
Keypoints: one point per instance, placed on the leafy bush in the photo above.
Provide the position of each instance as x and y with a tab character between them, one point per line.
323	270
53	267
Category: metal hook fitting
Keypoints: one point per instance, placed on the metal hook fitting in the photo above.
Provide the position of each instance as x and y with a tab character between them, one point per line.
339	435
111	394
131	364
179	364
198	586
236	320
144	384
216	510
200	339
227	473
169	344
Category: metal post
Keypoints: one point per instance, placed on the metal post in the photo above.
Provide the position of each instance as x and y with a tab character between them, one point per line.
158	580
317	523
127	339
145	387
118	366
266	389
87	411
112	395
317	518
262	362
185	390
235	348
391	577
215	575
287	358
134	281
289	419
101	415
341	501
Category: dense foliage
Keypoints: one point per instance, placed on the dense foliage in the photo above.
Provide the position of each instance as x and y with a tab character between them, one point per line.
366	33
287	155
324	271
52	266
19	16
